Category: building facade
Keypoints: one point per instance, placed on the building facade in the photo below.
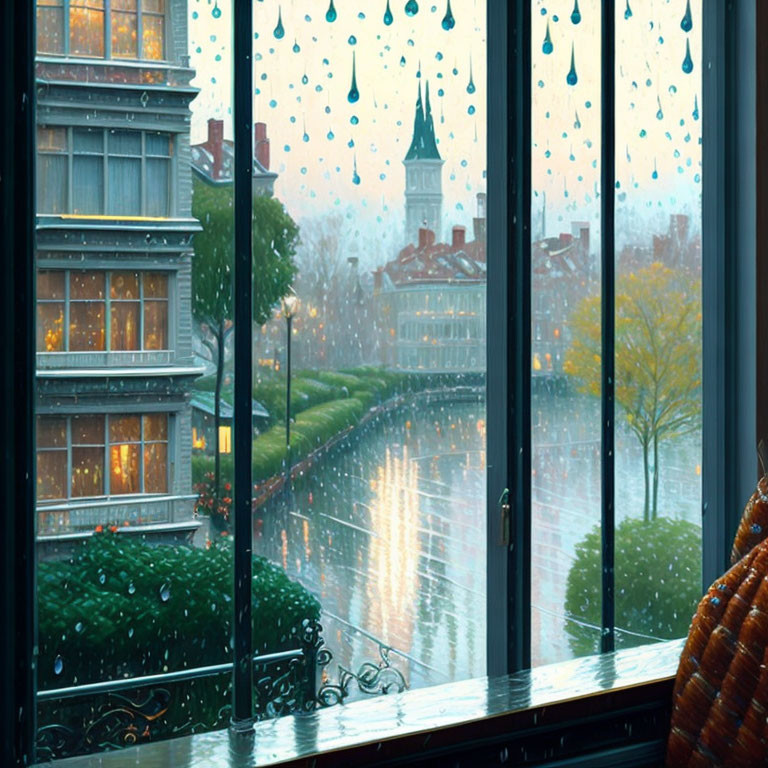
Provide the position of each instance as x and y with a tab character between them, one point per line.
114	243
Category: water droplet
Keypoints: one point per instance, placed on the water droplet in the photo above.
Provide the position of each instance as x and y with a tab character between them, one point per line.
351	143
440	92
448	22
330	14
439	56
165	593
577	123
307	17
102	578
216	12
628	11
576	13
131	589
296	47
547	46
304	79
79	626
687	22
279	31
471	110
659	112
352	40
572	78
388	15
130	631
305	137
355	176
272	103
471	84
354	120
655	174
411	8
287	148
695	113
327	109
402	61
353	94
673	89
58	665
643	133
331	136
588	104
687	61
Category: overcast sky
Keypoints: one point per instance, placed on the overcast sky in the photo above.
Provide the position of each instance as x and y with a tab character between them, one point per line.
302	95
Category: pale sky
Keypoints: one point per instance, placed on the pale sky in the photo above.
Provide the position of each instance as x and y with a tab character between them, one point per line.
316	174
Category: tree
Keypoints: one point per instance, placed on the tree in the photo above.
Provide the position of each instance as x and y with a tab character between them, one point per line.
657	360
658	583
275	239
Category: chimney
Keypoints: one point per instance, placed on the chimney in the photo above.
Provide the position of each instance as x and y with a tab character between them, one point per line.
378	279
478	223
459	238
261	144
566	238
215	140
426	237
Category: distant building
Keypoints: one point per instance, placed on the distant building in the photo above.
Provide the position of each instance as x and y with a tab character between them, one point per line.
431	304
560	278
423	176
677	249
212	161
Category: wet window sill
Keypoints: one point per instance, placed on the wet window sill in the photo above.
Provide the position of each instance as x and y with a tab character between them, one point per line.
443	717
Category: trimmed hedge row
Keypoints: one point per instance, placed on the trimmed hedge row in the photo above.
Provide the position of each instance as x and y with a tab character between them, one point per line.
123	608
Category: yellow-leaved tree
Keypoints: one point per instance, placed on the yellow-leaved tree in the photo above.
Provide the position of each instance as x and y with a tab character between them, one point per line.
657	359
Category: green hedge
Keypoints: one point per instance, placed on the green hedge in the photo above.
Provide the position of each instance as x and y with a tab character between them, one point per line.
658	583
123	608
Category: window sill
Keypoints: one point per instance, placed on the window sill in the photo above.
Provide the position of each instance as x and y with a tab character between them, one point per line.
623	697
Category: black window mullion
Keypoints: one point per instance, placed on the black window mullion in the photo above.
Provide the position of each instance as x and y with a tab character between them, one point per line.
242	674
608	261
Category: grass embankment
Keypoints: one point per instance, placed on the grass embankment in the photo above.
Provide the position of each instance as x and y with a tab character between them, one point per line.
323	404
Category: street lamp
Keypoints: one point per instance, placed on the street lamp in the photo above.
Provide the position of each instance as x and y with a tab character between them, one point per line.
290	304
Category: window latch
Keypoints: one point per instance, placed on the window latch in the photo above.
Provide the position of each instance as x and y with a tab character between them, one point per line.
505	512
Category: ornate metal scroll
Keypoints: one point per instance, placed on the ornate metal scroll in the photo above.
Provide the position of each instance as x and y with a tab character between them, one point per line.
121	722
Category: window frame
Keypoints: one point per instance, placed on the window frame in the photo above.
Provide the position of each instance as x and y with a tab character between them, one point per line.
107	33
104	156
730	337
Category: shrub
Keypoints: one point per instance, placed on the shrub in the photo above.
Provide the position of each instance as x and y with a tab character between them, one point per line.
658	567
121	607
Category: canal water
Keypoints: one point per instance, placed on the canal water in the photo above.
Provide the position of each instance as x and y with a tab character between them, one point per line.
388	530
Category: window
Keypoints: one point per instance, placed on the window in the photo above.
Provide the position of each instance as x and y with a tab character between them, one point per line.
97	311
133	29
73	177
77	458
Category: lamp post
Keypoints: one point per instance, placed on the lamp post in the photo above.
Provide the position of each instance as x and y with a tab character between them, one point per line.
290	304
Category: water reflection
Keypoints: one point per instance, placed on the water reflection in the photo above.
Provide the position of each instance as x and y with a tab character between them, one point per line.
390	534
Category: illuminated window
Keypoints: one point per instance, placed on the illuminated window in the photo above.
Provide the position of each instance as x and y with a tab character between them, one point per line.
225	439
133	446
120	29
74	309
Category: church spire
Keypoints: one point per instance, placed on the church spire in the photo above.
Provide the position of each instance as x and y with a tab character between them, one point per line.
423	145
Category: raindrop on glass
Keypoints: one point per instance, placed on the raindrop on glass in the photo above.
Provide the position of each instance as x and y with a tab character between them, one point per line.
58	665
79	626
353	94
572	78
695	112
296	47
687	61
576	14
355	176
547	46
448	21
471	110
402	61
330	14
411	8
331	136
471	84
352	40
216	12
628	11
304	79
131	589
659	112
354	120
687	22
279	30
165	593
388	15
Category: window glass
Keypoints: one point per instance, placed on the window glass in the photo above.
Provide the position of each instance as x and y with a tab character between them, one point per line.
50	26
565	273
51	458
50	311
153	34
377	134
87	312
124	458
158	177
51	170
86	27
87	185
124	28
87	455
658	322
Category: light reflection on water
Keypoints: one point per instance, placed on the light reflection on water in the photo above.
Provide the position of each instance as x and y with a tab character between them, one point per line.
390	535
